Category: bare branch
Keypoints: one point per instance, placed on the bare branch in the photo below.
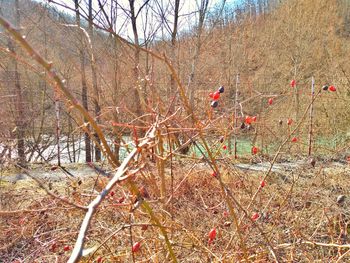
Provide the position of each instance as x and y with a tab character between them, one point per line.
118	177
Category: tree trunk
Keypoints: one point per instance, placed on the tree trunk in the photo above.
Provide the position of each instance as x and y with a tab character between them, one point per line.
96	98
172	89
116	83
136	93
202	13
116	98
84	96
19	116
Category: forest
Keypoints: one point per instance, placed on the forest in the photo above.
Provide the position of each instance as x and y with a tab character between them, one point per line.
174	130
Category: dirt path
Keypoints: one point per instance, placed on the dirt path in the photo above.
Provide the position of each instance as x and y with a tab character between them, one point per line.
290	166
52	175
81	171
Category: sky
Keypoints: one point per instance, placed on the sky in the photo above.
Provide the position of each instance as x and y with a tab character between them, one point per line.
149	20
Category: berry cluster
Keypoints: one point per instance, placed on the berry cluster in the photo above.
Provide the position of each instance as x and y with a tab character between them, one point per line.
330	88
215	96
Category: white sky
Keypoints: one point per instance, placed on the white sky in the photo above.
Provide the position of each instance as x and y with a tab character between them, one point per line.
148	20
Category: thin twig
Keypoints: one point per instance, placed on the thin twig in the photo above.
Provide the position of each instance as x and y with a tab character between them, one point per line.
41	185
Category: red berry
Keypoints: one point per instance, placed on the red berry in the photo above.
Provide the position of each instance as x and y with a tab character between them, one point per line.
348	159
216	95
262	184
212	234
248	120
270	101
225	214
211	94
289	121
254	118
22	221
99	259
255	150
121	199
224	147
292	83
66	248
214	174
112	193
144	227
294	139
255	216
332	88
53	247
136	247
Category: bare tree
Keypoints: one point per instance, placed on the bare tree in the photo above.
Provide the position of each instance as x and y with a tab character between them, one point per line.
202	11
173	43
96	97
261	6
84	91
19	100
136	91
116	78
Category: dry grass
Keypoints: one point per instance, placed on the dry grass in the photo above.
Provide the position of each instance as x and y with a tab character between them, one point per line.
293	207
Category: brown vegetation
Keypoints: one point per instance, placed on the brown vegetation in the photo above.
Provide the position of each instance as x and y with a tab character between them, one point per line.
66	77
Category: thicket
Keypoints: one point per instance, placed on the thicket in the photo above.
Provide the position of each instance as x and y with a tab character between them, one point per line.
93	84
